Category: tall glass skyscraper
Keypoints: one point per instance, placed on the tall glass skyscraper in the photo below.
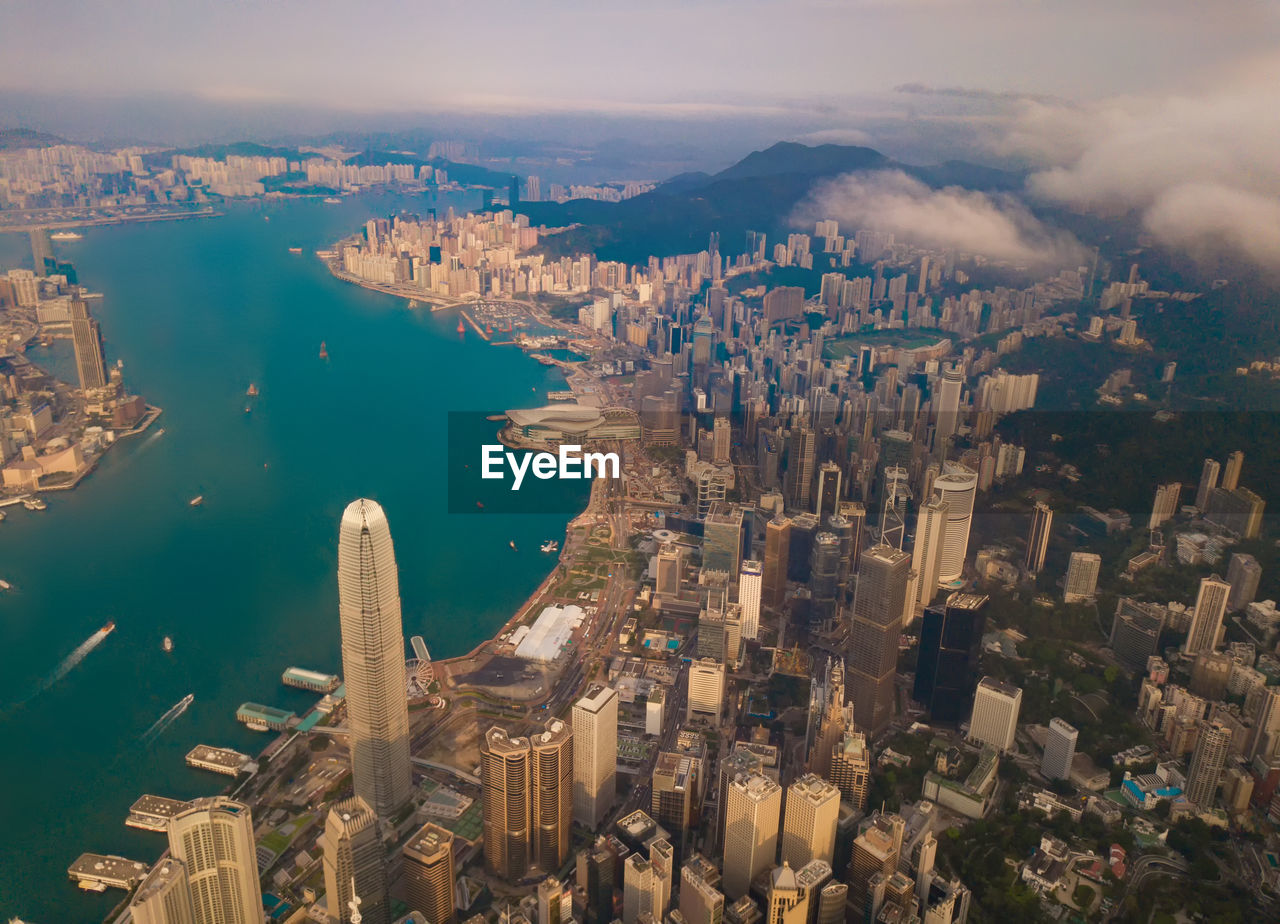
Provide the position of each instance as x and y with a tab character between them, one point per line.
373	658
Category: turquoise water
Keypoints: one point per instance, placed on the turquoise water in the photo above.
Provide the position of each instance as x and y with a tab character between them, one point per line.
246	583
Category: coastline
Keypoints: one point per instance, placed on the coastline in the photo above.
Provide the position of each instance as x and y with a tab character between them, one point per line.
59	224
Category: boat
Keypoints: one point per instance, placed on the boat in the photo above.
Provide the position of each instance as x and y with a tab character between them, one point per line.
330	200
324	354
92	885
253	390
480	505
66	236
462	327
247	409
295	250
160	432
109	627
512	543
2	515
550	545
167	644
197	500
34	503
5	585
413	303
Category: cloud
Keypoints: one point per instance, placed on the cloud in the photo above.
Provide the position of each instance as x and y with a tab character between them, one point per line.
996	226
1202	171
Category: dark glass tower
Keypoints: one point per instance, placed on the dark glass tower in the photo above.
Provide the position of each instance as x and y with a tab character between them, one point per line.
947	670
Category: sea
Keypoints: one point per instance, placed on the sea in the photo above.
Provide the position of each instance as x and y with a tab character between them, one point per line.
245	583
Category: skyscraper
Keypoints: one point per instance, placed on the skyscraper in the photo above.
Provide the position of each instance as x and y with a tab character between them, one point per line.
827	497
957	485
595	755
995	713
1038	538
641	892
754	803
926	555
504	778
1231	474
1243	574
947	406
947	666
164	897
777	548
722	539
1207	762
1081	582
551	802
676	782
824	577
788	903
213	840
706	688
800	465
700	901
1208	481
87	340
354	863
875	850
809	821
1135	631
750	583
373	658
874	631
429	874
1207	629
1059	749
851	768
1165	505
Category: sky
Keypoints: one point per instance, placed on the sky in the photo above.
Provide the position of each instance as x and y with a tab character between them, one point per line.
1161	109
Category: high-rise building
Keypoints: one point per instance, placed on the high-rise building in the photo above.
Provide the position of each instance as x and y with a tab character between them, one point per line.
1231	474
787	902
373	658
551	802
958	486
1208	481
947	665
429	874
875	851
213	840
1243	574
550	897
800	467
670	570
1135	631
926	556
505	798
995	713
851	769
1165	505
777	548
595	755
1238	511
1082	577
722	539
1207	763
809	821
824	578
676	783
700	901
1059	749
1038	538
354	863
831	903
827	497
856	513
750	585
836	716
1207	628
87	341
641	890
164	897
750	831
706	688
875	628
947	406
597	874
720	434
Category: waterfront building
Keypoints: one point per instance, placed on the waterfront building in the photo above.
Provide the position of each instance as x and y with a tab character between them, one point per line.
1059	749
1207	762
809	821
1082	577
875	628
551	795
86	338
995	713
595	755
373	658
1038	537
750	830
947	665
354	863
1207	627
749	590
429	874
214	842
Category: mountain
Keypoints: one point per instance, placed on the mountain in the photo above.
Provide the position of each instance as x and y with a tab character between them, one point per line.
757	193
12	139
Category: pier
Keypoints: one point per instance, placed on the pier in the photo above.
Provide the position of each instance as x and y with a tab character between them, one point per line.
474	326
152	813
304	679
96	872
263	718
219	760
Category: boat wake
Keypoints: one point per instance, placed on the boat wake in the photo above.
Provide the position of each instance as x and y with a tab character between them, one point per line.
70	662
158	727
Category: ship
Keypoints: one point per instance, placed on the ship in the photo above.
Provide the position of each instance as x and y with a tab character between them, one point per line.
109	627
66	236
253	390
167	644
324	354
550	545
413	303
512	543
5	585
330	200
160	432
295	250
197	500
34	503
462	327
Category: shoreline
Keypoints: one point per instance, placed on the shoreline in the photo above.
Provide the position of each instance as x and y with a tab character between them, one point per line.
59	224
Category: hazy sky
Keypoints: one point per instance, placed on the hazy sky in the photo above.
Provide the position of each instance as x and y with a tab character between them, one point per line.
575	54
